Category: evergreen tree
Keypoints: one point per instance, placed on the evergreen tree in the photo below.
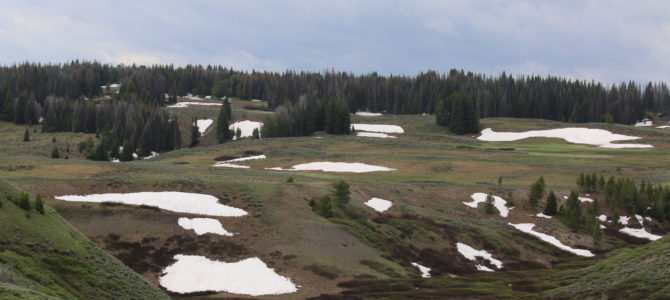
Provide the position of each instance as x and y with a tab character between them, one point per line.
596	233
461	111
26	135
223	132
573	213
536	192
442	113
228	109
489	208
551	207
24	201
39	204
255	134
55	153
341	193
126	152
322	206
238	133
195	132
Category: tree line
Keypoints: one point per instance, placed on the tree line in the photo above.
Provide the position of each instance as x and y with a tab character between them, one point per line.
550	97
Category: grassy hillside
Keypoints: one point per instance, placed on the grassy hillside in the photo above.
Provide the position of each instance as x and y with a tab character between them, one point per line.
43	257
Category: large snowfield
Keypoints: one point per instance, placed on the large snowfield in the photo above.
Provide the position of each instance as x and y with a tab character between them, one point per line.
528	228
251	276
246	127
587	136
190	203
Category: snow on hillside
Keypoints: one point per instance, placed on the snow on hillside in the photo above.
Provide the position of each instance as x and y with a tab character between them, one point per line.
203	225
472	254
338	167
379	204
499	203
528	228
587	136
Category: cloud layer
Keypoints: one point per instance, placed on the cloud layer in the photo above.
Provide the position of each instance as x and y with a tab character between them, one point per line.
609	41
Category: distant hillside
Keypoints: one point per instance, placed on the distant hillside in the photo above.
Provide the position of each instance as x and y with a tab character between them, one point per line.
43	257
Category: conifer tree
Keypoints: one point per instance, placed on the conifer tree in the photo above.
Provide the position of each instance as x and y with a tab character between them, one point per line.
341	193
195	132
489	208
26	135
39	204
55	153
551	207
238	133
24	201
573	213
536	192
223	132
126	152
255	135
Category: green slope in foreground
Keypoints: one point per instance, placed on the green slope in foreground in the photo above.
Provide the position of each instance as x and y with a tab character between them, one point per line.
43	257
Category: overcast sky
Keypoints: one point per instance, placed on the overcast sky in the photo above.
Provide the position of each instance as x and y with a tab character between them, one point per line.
608	41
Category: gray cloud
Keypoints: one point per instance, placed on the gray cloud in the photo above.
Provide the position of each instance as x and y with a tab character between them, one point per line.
608	41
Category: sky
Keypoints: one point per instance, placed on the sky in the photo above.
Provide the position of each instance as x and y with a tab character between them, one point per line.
608	41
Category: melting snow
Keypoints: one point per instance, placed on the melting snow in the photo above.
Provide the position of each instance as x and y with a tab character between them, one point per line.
203	225
152	155
644	123
581	199
378	128
528	228
472	254
425	271
367	114
378	204
499	203
624	220
203	125
247	127
483	268
188	103
640	233
192	273
663	126
602	218
640	219
335	167
375	134
191	203
588	136
228	163
541	215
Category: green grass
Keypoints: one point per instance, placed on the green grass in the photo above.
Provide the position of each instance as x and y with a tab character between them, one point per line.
42	255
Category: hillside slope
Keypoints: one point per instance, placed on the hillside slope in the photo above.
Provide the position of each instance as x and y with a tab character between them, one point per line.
43	257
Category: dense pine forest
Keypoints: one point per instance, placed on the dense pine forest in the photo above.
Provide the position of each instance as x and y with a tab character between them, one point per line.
552	98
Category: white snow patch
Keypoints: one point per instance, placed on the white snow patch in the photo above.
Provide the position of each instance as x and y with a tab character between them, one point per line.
499	203
188	103
203	125
624	220
644	123
541	215
378	128
581	199
663	126
367	114
587	136
256	100
472	254
152	155
203	225
425	271
483	268
639	219
247	127
528	228
251	276
115	160
379	204
640	233
228	163
602	226
343	167
602	218
375	134
191	203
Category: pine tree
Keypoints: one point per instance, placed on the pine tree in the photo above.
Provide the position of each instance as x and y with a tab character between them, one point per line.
24	201
55	153
39	204
238	133
255	135
551	207
223	132
195	132
228	109
596	233
322	206
573	213
26	135
489	208
536	192
341	193
126	152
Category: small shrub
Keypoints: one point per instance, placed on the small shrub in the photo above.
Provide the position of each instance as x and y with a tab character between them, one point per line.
290	179
55	153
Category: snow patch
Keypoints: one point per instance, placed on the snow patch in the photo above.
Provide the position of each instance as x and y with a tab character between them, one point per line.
541	215
624	220
251	276
375	134
247	127
587	136
640	233
425	271
602	218
338	167
203	225
189	103
229	163
663	126
472	254
581	199
203	125
528	228
190	203
644	123
367	114
499	203
378	128
379	204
